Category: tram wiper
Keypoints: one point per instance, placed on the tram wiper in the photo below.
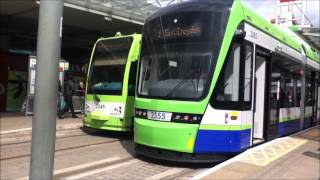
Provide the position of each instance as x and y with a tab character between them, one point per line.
182	82
95	96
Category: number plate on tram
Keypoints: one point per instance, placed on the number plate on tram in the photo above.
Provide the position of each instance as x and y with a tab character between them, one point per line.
160	116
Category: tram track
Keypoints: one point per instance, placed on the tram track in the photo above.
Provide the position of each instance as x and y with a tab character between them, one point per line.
61	149
27	135
58	130
27	138
28	132
25	142
113	165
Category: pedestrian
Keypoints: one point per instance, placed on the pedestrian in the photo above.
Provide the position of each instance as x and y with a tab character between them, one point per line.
81	95
69	91
61	102
82	88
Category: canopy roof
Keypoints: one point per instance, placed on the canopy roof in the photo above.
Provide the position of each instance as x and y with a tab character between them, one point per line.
309	34
134	11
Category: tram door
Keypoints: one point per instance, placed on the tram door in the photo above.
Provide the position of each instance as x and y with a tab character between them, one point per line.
318	99
314	98
274	102
260	99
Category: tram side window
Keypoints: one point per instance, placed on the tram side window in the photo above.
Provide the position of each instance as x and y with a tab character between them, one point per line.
247	73
132	79
230	81
145	76
288	92
308	92
233	89
298	93
290	81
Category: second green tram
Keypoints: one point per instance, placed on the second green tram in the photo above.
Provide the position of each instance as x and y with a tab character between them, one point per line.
109	97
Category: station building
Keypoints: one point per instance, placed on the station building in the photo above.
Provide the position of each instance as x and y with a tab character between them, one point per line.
83	23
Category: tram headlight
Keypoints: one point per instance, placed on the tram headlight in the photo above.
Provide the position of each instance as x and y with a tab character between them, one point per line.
186	118
140	113
194	118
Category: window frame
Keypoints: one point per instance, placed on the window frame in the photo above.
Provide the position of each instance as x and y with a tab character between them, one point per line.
240	104
92	67
286	74
132	77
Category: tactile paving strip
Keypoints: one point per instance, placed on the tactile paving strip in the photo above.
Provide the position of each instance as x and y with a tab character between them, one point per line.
265	154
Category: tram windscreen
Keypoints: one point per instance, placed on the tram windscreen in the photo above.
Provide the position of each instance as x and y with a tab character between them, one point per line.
179	53
108	66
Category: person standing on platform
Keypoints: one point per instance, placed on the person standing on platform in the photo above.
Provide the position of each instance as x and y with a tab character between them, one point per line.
69	91
82	88
60	100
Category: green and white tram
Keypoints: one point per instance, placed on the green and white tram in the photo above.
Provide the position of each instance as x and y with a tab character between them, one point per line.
215	79
109	98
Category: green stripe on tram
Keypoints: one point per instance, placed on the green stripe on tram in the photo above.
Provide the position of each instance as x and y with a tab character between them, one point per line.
290	118
224	127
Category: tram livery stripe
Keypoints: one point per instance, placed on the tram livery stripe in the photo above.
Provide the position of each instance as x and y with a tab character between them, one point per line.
215	141
224	127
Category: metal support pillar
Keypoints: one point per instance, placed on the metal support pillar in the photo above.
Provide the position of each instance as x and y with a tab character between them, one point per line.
45	103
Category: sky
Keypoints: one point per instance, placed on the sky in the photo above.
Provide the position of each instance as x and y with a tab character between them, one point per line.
267	9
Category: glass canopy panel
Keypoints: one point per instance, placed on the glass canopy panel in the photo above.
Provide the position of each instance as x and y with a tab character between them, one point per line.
134	11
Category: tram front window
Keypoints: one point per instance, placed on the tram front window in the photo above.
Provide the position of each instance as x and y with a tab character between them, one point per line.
108	66
179	53
179	74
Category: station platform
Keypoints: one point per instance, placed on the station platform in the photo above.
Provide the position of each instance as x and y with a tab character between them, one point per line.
292	157
15	122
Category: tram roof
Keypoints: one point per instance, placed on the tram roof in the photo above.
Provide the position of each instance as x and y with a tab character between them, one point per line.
272	30
253	18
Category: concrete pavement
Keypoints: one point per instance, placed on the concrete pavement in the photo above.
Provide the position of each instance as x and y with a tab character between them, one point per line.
293	157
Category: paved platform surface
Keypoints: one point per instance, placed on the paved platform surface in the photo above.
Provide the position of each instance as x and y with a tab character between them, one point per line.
293	157
17	121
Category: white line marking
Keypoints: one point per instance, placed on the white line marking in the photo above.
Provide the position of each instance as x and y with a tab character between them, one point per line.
15	130
73	168
165	173
81	166
81	175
